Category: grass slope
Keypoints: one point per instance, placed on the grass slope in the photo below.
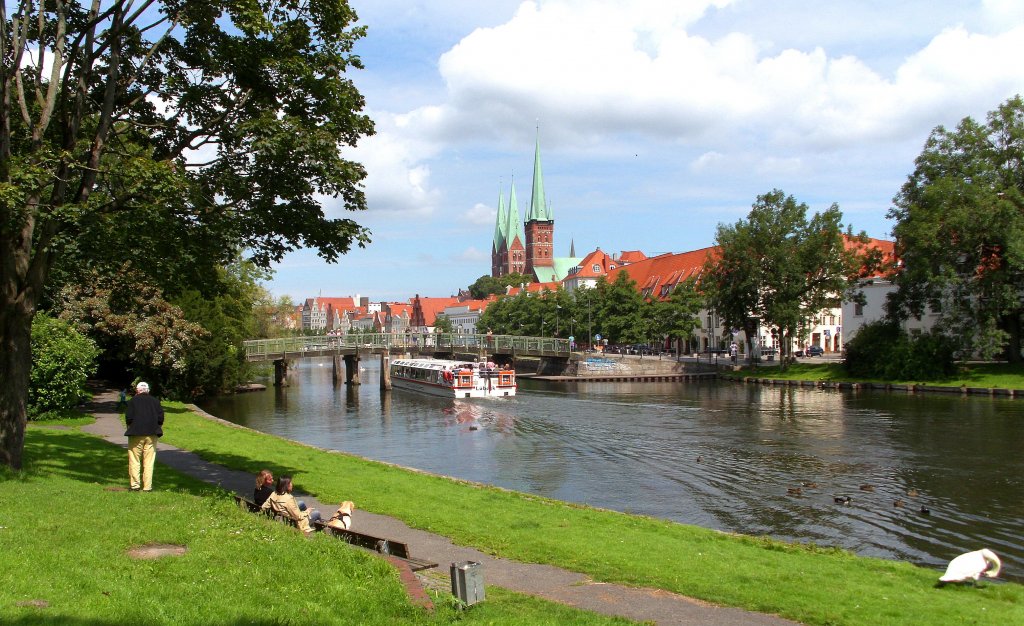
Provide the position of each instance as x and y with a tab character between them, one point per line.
991	375
805	583
65	536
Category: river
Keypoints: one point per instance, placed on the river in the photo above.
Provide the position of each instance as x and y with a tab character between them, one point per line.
927	476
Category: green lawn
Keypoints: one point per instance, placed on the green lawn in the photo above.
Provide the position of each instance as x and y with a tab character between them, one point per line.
999	375
806	583
65	536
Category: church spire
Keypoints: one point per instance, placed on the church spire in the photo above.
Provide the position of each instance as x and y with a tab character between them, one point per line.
501	223
514	226
539	209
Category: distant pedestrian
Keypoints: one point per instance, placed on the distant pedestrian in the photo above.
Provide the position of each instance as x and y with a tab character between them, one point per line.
734	351
145	418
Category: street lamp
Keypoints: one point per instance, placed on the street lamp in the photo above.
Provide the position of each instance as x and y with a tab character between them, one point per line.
557	309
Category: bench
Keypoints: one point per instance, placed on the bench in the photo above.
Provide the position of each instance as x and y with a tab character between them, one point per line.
380	545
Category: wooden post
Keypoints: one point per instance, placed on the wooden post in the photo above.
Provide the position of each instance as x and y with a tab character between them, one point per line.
352	369
336	368
385	371
281	373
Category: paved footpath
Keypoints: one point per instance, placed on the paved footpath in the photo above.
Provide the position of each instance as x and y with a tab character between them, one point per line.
551	583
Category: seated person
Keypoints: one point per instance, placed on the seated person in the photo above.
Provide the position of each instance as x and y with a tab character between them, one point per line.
282	503
342	518
264	487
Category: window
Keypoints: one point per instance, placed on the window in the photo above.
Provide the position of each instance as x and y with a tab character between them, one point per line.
858	309
596	268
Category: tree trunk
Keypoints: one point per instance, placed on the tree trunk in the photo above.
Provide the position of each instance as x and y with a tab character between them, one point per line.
1011	324
15	364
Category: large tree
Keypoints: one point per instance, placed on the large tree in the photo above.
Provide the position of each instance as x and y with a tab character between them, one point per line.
960	232
780	268
170	133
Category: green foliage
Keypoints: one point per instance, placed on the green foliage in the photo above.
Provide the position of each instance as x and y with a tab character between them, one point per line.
496	285
132	324
442	324
779	266
960	232
167	138
882	350
62	361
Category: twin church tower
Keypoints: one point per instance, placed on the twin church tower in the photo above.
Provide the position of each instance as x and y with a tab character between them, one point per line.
524	247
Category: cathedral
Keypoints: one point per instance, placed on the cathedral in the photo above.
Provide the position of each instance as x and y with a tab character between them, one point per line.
526	246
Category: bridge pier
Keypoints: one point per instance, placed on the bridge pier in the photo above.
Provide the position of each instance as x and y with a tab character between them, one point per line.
280	373
352	369
385	371
336	369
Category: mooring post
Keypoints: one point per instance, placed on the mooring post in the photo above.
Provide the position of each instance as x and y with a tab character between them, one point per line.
281	373
336	368
385	371
352	369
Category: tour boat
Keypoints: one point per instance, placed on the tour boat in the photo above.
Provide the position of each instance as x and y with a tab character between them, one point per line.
453	379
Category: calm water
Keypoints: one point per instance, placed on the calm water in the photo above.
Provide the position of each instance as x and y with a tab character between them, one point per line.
718	455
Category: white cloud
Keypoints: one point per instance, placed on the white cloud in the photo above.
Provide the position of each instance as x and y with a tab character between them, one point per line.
474	256
481	215
591	69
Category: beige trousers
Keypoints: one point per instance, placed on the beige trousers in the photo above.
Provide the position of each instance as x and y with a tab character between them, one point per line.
141	458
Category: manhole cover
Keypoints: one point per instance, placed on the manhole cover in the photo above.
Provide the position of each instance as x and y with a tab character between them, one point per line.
156	550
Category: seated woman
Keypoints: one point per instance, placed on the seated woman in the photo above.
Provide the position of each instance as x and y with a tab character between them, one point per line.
282	503
264	487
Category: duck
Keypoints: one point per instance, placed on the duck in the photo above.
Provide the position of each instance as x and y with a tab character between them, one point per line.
700	459
866	487
810	485
794	491
898	503
971	565
842	499
925	511
912	493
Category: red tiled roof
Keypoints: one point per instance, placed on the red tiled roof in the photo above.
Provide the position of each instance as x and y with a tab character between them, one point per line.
632	256
648	273
428	308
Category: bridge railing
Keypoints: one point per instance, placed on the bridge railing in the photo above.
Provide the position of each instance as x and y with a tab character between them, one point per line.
293	347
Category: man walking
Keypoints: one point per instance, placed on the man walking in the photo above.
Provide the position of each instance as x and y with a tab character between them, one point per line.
144	417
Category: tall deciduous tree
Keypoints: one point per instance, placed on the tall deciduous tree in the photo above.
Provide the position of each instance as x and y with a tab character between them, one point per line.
779	267
173	132
960	232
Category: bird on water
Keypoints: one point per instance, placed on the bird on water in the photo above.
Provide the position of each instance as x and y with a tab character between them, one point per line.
970	566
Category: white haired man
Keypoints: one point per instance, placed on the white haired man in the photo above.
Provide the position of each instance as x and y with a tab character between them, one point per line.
145	419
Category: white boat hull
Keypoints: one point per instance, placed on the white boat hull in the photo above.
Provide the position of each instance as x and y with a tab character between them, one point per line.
452	379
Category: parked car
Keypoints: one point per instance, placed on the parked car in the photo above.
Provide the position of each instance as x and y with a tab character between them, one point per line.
815	351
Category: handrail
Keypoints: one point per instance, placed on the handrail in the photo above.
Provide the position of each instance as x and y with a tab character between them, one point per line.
295	347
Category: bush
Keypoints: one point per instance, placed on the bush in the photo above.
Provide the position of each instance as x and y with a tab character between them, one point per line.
882	350
62	361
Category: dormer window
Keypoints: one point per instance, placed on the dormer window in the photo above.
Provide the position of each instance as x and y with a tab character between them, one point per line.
596	268
611	267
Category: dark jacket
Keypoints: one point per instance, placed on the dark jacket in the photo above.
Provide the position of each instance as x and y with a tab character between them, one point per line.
144	416
260	494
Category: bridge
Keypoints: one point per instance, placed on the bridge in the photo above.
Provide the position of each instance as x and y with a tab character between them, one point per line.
351	346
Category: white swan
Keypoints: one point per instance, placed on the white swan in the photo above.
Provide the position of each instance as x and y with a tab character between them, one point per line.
971	565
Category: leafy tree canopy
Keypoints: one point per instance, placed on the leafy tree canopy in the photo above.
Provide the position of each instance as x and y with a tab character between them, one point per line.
960	232
779	267
169	134
490	285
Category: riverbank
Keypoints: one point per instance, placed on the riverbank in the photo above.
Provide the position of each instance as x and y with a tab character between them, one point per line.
984	379
807	583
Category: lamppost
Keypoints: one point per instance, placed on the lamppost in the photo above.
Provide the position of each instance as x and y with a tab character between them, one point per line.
542	322
557	309
590	325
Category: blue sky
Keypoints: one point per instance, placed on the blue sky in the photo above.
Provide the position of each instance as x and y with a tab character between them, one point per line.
658	120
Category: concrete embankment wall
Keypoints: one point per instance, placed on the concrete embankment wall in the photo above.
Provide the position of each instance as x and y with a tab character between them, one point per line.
611	367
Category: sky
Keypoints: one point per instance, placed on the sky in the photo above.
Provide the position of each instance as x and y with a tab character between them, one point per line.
658	120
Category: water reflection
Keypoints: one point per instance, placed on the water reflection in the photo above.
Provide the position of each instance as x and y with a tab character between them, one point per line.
751	459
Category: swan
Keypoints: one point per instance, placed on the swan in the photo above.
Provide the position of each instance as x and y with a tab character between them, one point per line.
971	566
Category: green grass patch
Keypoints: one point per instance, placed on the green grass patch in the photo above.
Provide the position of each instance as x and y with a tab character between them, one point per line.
65	537
999	375
806	583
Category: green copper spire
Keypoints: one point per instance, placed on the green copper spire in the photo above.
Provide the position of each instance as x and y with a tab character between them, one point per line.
539	209
514	226
500	224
